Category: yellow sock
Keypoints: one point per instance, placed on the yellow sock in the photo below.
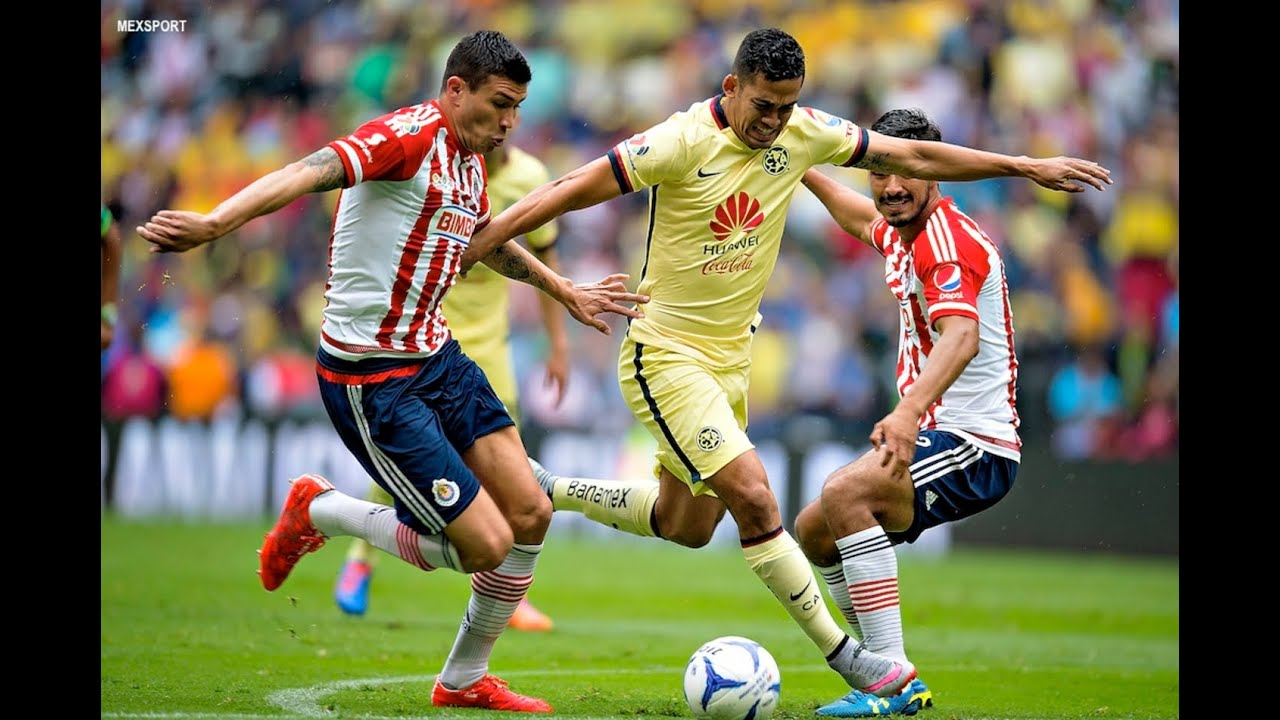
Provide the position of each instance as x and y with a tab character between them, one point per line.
361	551
782	566
625	505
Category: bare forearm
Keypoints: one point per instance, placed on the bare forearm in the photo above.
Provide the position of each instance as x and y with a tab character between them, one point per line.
588	185
943	161
319	172
950	356
513	261
530	213
851	210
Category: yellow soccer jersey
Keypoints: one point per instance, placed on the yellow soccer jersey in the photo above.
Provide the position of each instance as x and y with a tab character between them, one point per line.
476	308
716	209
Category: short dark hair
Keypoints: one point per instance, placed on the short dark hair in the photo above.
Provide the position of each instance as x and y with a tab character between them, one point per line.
769	52
485	53
909	123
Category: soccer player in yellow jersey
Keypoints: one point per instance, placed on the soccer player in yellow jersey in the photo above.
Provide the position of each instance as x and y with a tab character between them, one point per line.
477	310
720	177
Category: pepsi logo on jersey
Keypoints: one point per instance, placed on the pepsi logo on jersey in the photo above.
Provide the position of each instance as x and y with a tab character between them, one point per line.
947	277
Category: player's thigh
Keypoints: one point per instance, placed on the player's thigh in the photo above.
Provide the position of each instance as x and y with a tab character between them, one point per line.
867	490
500	461
952	479
680	512
400	441
685	407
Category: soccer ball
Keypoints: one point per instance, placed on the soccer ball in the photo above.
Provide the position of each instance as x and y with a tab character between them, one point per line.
732	678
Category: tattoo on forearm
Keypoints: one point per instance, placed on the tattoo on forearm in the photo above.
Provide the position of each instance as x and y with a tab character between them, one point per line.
512	265
326	161
874	162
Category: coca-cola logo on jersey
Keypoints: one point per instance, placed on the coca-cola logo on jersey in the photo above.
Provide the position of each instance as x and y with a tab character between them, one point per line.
733	264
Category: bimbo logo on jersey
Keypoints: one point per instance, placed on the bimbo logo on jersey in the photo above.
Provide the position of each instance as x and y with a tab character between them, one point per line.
947	277
453	222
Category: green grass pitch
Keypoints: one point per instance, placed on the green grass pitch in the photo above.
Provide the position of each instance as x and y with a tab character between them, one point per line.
189	634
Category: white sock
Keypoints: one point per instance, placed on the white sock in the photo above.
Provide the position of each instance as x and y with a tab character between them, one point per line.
494	597
871	569
838	587
867	670
334	513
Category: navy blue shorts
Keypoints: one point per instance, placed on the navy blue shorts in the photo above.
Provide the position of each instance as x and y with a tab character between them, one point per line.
408	422
954	479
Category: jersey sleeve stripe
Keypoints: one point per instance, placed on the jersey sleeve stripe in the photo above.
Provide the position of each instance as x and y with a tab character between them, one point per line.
937	310
615	161
939	242
948	239
351	161
858	154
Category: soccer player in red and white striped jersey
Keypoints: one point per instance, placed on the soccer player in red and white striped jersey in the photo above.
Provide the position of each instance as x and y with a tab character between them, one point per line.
419	414
950	447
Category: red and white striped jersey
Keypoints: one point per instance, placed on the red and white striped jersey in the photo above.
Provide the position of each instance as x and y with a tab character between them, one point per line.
412	200
953	268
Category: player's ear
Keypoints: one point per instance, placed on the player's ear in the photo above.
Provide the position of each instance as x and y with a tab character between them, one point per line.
730	85
454	86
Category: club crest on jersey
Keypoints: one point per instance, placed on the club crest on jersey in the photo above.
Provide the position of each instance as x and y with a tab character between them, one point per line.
709	438
947	277
776	160
443	183
446	492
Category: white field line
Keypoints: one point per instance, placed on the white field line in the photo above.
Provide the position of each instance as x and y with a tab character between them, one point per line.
299	703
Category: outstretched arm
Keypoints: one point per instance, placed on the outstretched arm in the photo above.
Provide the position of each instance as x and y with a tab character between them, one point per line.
589	185
851	210
929	160
584	301
179	231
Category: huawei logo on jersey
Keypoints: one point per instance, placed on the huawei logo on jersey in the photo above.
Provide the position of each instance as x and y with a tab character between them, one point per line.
739	214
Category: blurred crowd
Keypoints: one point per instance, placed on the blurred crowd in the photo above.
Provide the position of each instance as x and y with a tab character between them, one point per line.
190	117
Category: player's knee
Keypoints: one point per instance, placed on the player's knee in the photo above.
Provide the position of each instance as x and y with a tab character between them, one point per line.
690	536
812	533
691	529
754	508
487	551
844	486
529	522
